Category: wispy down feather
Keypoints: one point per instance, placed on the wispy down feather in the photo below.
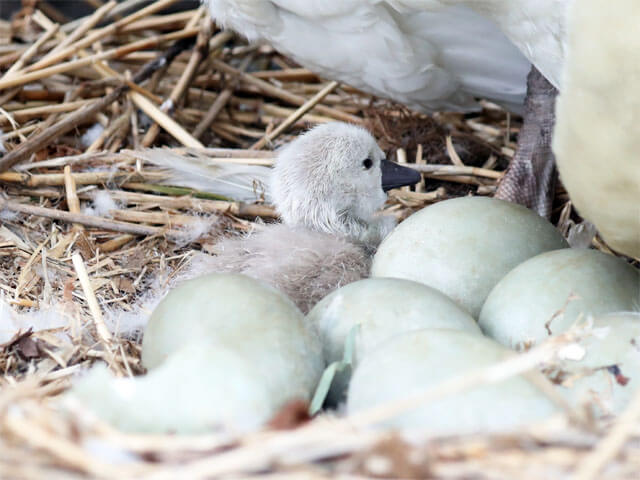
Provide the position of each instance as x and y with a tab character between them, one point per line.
243	183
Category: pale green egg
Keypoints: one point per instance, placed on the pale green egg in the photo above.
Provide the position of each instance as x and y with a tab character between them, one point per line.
464	246
605	375
205	386
223	351
378	309
412	363
546	294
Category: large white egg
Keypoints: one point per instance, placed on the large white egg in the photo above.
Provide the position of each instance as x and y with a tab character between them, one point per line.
519	310
203	386
608	375
235	309
380	308
464	246
413	362
223	349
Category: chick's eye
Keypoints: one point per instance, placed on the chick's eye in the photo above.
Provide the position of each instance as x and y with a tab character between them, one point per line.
367	163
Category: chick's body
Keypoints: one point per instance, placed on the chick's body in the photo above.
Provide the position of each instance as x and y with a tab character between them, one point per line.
303	264
327	187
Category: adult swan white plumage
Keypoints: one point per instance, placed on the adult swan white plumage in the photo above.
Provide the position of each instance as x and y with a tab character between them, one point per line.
429	55
597	138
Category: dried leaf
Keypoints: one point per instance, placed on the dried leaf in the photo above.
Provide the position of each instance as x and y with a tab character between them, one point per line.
28	347
291	415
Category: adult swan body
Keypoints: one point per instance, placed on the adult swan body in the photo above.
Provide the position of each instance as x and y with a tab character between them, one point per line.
430	55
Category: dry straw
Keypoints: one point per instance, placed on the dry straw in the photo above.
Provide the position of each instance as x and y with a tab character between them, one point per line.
87	228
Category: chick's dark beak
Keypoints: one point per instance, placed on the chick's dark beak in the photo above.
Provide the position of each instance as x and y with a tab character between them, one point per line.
395	176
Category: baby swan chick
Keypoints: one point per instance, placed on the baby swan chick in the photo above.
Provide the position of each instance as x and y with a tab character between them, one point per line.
328	186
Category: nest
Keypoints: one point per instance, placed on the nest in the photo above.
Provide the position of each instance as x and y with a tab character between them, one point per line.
87	227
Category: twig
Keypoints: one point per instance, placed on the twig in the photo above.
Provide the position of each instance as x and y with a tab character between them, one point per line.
87	220
43	138
28	113
161	218
32	75
187	76
81	178
30	52
115	243
83	28
73	202
438	194
287	75
122	7
169	21
401	156
420	160
451	151
99	34
610	445
69	453
304	108
452	170
73	159
285	95
165	121
120	122
92	301
219	103
283	112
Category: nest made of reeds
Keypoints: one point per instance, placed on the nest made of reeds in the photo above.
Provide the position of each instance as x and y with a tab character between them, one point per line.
140	78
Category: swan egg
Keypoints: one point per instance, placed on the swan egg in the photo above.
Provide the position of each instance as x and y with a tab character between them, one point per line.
608	374
380	308
464	246
201	387
223	351
546	294
414	362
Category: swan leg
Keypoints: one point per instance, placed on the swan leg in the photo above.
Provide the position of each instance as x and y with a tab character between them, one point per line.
531	177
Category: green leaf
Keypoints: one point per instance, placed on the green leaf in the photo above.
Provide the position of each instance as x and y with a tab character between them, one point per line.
330	372
179	191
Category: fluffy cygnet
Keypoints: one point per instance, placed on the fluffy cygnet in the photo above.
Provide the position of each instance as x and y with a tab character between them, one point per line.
327	186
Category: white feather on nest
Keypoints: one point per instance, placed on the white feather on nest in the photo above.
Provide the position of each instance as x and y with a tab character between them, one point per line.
243	183
45	318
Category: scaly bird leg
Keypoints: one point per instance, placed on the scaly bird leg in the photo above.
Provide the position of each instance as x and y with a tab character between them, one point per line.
531	177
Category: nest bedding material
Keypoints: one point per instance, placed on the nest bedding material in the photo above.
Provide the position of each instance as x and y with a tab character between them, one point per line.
91	232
